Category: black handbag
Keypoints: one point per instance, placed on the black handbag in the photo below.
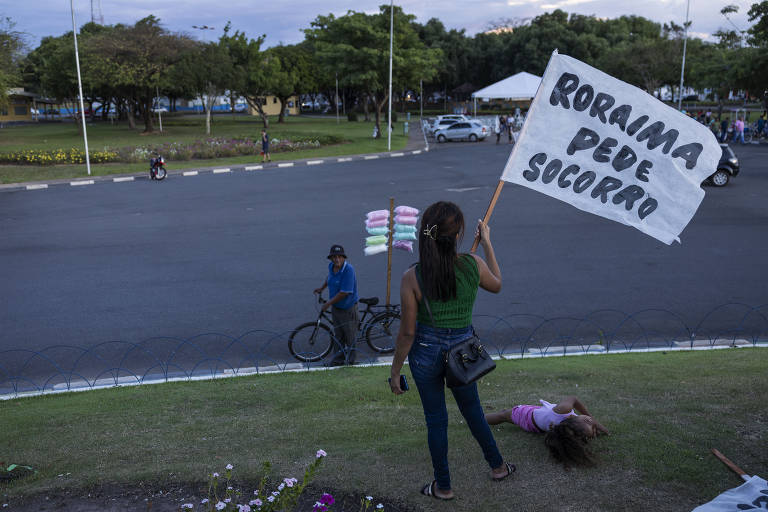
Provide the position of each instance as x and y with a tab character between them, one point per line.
466	361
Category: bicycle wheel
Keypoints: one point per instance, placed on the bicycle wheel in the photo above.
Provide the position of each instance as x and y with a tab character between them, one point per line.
310	342
381	332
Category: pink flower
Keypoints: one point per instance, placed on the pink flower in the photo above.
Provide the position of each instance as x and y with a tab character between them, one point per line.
257	502
327	499
320	453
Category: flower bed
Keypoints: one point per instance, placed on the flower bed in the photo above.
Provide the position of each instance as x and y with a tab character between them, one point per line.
214	147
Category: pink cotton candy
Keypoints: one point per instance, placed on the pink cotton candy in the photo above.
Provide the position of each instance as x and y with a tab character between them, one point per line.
378	223
406	219
402	244
406	210
377	214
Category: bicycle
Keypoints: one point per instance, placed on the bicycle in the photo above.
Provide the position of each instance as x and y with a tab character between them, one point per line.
312	341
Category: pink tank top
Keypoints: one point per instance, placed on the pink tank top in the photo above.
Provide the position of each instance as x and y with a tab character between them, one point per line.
546	418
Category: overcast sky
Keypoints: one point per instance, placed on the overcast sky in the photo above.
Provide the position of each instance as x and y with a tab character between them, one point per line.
283	20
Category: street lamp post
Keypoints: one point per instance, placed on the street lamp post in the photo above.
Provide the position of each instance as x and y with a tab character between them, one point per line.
389	112
682	68
80	89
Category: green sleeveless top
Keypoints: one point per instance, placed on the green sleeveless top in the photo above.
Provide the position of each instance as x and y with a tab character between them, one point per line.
455	313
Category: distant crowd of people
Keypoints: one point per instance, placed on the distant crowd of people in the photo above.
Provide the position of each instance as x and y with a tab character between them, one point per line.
731	130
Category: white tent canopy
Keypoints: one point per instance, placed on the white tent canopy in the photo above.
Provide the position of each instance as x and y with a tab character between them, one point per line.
519	87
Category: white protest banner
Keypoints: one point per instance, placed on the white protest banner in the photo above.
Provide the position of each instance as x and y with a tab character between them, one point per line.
751	495
609	148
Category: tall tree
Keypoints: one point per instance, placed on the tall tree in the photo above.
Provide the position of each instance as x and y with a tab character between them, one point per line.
135	58
204	69
293	74
356	45
11	50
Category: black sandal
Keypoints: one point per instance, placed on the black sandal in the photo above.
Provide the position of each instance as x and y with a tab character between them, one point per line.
429	490
511	468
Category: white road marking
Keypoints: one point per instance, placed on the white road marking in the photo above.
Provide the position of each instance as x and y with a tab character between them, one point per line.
416	152
462	189
219	171
190	173
397	154
314	162
287	164
254	167
344	160
371	157
78	183
125	178
37	187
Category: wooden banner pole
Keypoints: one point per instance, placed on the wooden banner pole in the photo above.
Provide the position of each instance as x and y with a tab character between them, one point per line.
725	460
488	213
389	243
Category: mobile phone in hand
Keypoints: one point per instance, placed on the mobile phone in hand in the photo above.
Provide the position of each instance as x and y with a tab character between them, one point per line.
403	382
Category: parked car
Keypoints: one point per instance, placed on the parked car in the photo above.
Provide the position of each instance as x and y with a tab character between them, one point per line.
439	124
445	120
727	166
460	130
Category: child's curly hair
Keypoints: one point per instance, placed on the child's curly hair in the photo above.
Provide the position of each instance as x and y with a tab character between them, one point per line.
568	444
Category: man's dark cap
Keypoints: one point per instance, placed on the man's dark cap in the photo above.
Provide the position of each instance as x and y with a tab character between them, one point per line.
336	250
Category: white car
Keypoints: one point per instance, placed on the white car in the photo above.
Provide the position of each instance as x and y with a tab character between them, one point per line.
460	130
445	120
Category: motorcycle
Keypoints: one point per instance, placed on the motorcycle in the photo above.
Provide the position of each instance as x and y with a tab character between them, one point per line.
157	168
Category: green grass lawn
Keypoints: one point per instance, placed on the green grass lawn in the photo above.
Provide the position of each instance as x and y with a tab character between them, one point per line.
664	410
47	136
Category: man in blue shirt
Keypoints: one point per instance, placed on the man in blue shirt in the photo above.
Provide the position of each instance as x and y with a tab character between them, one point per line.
342	293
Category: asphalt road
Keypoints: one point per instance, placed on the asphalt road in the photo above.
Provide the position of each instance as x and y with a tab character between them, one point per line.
242	251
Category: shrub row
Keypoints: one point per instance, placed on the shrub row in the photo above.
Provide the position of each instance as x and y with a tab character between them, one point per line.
199	149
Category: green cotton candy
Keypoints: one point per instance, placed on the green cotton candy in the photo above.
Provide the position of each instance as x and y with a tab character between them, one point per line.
376	240
405	236
378	231
405	228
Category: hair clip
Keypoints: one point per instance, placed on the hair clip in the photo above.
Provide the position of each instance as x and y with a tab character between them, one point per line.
431	231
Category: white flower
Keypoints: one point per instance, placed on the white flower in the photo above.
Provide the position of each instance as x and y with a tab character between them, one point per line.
227	500
221	505
270	499
215	475
230	466
187	505
204	501
281	487
379	506
275	493
243	508
369	498
255	503
229	487
320	453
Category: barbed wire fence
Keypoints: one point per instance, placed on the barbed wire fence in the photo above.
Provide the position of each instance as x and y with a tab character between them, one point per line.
63	368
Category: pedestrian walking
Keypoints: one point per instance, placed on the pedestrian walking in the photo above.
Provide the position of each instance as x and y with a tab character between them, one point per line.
265	147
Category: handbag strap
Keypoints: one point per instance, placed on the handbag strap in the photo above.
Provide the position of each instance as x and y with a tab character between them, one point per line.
423	295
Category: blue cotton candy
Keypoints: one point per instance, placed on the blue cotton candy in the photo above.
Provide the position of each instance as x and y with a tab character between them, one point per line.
404	236
377	231
405	228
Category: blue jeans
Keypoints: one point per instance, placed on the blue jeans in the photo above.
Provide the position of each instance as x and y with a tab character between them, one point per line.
428	370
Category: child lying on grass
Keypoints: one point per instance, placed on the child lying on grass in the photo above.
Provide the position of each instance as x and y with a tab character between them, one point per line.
566	433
